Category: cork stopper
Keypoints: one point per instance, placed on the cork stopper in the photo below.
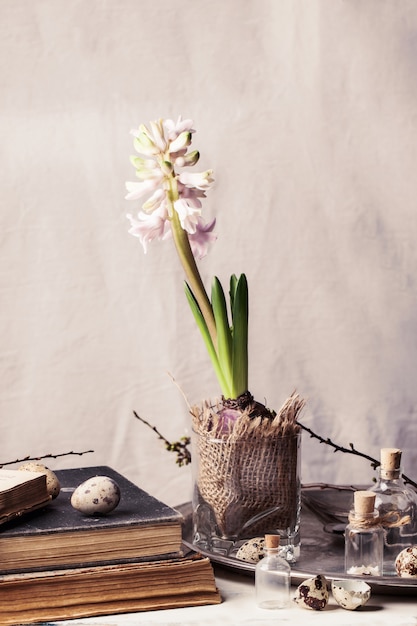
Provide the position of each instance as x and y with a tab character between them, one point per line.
364	502
272	541
390	461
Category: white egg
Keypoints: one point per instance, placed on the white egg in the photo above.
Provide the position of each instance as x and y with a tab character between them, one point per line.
406	562
96	496
252	550
351	594
52	483
313	593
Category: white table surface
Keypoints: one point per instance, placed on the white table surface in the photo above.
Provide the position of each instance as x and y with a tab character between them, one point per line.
239	608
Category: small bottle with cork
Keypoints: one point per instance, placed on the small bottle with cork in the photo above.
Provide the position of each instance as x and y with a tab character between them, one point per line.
397	507
272	577
364	537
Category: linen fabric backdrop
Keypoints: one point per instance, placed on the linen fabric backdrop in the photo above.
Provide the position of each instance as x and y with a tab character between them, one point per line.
306	112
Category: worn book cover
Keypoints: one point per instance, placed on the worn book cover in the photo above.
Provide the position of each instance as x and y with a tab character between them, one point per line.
141	527
106	590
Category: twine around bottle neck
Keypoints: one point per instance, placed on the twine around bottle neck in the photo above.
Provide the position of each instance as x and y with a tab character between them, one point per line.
392	519
390	474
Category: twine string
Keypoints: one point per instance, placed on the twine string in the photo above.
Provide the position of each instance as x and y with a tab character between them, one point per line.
392	519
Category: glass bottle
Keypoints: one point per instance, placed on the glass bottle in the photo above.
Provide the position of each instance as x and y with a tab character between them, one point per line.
364	537
272	577
397	507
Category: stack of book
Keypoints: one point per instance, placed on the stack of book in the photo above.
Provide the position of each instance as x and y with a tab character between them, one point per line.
56	563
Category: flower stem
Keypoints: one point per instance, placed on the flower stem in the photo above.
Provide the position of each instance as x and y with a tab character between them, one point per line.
186	257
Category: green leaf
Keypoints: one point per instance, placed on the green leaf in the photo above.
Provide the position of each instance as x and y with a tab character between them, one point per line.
224	335
240	315
232	292
198	316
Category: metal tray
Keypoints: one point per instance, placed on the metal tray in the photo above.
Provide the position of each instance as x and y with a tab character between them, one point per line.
323	517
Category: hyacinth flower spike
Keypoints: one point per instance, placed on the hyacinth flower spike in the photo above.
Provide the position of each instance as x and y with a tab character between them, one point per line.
172	209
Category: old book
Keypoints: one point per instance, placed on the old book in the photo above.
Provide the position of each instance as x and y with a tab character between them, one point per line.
107	590
141	527
20	492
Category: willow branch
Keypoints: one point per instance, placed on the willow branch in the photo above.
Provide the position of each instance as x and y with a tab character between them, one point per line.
351	450
46	456
180	447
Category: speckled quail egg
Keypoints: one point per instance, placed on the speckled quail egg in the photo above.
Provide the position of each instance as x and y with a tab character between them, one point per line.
52	483
96	496
406	562
252	550
351	594
313	593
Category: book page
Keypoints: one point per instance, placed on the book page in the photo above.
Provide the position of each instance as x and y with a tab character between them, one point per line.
13	478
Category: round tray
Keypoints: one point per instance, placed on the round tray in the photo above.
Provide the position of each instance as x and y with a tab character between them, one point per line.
323	516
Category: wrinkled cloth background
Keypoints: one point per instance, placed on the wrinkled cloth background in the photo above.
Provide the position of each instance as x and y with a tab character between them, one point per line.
306	111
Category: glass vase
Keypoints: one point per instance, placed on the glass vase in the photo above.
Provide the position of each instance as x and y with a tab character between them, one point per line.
245	487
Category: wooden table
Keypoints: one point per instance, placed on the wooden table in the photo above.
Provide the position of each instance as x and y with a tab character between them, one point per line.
239	608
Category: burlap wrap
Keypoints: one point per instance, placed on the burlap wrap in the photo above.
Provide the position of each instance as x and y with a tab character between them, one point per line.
249	474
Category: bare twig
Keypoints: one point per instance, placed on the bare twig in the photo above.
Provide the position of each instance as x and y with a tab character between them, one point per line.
180	447
351	450
45	456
